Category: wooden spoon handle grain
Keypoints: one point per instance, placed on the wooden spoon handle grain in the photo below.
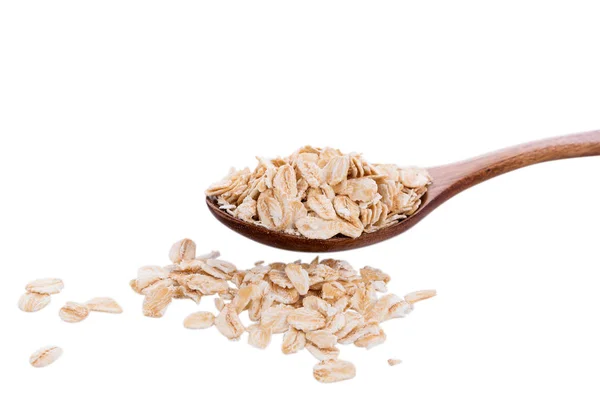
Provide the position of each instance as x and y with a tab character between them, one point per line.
454	178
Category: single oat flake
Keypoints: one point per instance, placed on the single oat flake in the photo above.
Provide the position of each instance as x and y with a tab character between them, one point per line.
73	312
32	302
183	250
158	297
229	324
420	295
199	320
45	286
104	304
330	371
45	356
317	306
319	193
394	361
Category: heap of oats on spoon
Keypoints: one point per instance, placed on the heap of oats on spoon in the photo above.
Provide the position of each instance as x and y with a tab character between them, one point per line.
316	306
320	193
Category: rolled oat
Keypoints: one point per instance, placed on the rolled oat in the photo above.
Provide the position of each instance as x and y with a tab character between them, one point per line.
45	286
45	356
74	312
199	320
329	371
104	304
32	302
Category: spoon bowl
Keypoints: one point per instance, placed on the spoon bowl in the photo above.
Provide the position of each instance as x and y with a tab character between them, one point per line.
448	180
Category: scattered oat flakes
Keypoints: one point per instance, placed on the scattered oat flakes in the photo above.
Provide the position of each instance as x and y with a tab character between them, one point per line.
320	193
45	356
38	294
317	306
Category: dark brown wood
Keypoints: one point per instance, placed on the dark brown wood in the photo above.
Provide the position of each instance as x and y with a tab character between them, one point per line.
448	180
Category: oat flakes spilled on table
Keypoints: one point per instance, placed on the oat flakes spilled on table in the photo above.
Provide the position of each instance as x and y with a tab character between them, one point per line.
317	306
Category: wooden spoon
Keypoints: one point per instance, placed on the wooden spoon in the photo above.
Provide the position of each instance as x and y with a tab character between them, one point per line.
448	180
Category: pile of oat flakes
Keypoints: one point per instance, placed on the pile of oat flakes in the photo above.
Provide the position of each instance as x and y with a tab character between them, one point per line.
316	306
320	193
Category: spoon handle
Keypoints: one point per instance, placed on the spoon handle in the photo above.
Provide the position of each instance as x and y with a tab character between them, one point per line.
454	178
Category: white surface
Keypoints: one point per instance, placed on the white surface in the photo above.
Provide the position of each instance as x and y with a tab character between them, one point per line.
116	115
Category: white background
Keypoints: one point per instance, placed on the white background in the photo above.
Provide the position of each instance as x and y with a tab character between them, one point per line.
116	115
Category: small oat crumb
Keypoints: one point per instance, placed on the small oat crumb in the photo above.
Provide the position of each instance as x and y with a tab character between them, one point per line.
394	361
